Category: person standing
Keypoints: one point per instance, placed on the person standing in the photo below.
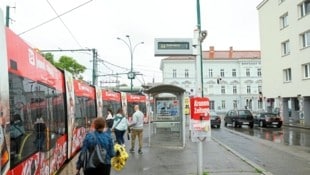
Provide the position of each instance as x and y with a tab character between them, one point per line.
105	140
110	119
136	129
120	126
40	129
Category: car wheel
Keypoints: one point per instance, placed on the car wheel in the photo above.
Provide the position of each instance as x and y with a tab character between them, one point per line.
261	124
279	125
218	126
234	124
251	125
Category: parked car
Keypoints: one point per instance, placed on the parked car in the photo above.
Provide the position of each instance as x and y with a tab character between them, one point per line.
215	119
265	119
239	117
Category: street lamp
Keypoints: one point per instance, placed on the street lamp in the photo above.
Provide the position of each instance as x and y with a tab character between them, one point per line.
131	74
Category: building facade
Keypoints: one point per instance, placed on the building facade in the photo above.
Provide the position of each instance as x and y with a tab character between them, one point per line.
231	79
285	54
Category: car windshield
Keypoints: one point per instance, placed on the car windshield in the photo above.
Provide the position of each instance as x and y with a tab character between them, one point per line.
270	115
244	113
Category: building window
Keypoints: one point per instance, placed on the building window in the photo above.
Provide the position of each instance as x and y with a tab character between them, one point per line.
285	48
260	104
234	89
248	89
186	73
235	104
259	72
247	72
234	73
174	73
223	104
283	21
259	88
305	38
222	73
287	75
304	8
223	89
210	73
211	104
306	70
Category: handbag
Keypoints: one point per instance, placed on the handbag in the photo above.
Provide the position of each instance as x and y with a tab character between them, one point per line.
95	156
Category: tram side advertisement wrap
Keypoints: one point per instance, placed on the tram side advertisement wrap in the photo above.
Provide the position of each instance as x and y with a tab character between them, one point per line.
200	119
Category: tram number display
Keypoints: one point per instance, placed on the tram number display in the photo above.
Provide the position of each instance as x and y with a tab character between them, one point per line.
173	45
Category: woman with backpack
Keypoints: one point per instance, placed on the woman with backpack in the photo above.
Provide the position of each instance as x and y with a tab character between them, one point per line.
105	141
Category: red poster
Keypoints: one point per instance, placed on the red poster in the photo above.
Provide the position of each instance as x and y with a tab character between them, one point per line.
199	108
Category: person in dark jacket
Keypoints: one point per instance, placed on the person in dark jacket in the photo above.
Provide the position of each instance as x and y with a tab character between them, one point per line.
40	128
110	118
104	138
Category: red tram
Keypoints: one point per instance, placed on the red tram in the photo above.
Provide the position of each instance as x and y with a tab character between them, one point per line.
38	92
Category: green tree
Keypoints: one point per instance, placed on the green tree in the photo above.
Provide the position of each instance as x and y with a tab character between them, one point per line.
71	65
49	57
67	63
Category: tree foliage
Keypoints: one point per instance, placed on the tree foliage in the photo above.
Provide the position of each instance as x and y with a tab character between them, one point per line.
67	63
49	57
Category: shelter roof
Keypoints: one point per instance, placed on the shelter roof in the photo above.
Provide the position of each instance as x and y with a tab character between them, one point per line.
165	88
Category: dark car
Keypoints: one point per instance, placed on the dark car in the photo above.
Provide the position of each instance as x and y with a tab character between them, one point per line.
215	119
239	117
265	119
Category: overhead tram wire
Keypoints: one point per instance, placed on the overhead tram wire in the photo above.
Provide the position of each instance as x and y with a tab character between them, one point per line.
52	19
115	65
74	38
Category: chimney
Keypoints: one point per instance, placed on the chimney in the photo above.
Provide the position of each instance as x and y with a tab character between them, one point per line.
211	52
230	52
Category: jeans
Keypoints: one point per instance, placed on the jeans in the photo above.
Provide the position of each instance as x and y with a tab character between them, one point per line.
119	136
39	142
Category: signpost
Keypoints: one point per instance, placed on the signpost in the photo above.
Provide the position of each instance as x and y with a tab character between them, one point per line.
200	126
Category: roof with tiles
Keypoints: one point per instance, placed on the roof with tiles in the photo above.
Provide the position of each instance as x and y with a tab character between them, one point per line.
222	55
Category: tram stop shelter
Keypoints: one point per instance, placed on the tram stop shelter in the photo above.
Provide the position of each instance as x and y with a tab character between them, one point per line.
167	122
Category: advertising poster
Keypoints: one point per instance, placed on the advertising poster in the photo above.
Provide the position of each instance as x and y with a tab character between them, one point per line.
71	109
167	108
200	119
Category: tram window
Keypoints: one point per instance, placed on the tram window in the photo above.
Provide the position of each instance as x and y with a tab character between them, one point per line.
110	105
34	101
84	111
130	109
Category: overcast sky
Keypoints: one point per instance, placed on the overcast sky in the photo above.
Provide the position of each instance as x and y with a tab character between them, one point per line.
97	24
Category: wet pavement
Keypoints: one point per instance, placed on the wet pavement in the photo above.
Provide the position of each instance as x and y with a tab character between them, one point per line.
157	159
